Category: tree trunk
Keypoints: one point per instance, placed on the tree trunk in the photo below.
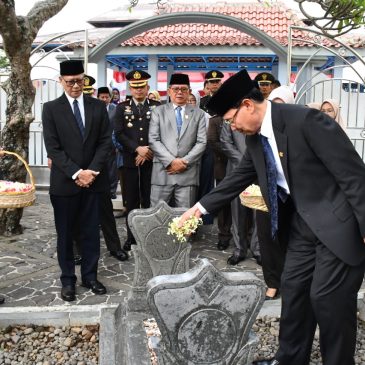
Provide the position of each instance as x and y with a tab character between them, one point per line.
15	135
18	34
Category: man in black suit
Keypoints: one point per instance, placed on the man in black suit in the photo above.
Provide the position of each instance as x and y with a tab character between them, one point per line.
78	141
131	126
313	182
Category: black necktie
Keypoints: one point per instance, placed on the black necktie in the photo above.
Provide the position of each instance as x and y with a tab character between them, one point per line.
79	122
272	186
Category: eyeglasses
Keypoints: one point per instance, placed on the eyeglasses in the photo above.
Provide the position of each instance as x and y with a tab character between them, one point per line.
177	89
231	120
71	83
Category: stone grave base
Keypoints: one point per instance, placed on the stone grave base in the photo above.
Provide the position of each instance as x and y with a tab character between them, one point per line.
107	316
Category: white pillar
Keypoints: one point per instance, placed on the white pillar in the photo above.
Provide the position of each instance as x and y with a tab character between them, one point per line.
101	73
153	71
282	74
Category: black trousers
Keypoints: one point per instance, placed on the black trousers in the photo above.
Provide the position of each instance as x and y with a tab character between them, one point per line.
81	212
317	288
107	224
271	250
224	221
137	184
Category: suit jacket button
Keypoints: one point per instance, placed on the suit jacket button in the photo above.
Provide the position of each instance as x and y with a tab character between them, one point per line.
141	129
141	139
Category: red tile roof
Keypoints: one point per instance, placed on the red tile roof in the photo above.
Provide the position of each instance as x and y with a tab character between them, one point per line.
274	20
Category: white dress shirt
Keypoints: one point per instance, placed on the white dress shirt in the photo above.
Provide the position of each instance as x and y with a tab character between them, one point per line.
268	132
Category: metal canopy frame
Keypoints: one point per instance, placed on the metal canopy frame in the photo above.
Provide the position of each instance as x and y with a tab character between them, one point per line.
233	62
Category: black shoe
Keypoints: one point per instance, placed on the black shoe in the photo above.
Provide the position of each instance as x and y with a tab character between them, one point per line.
120	255
266	362
68	293
2	300
234	259
258	259
128	244
77	259
276	296
222	245
96	286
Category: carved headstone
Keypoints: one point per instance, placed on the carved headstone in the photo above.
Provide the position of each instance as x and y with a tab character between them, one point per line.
156	253
205	316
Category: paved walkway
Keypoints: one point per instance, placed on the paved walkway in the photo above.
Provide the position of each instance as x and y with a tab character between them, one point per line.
29	272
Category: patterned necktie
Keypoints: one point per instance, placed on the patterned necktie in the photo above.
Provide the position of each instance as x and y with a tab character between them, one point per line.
79	122
178	119
140	108
271	174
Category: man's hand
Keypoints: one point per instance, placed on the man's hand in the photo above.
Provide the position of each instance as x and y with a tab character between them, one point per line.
140	160
145	152
193	211
86	177
176	166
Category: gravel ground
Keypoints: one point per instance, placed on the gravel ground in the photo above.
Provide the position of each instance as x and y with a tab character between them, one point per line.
267	329
25	345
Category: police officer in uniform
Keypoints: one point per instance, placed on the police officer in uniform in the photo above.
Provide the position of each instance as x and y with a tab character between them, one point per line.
131	123
214	81
88	88
265	81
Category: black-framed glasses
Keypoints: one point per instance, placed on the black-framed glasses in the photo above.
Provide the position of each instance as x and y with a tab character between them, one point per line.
177	89
71	83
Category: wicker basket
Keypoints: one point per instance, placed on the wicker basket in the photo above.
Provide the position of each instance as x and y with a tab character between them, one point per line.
253	201
18	199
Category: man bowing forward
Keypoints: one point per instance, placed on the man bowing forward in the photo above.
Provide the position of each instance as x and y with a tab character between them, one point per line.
313	182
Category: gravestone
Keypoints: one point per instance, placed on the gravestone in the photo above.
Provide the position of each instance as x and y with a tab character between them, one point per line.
156	253
205	316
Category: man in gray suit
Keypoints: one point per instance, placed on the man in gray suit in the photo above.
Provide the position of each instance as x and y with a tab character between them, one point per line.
243	226
177	137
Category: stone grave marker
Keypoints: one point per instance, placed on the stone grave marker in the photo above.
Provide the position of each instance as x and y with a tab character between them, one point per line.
156	253
205	316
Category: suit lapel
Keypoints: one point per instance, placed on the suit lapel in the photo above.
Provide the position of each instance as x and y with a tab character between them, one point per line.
256	151
188	115
171	116
88	116
281	139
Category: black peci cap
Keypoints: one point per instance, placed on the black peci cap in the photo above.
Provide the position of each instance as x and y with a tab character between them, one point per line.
179	79
231	92
137	78
71	67
103	90
213	75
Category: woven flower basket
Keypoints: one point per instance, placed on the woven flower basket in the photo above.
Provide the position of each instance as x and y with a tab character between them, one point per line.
252	198
18	199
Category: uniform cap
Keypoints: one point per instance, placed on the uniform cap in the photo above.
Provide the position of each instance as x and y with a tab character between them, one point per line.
88	82
264	77
137	78
213	75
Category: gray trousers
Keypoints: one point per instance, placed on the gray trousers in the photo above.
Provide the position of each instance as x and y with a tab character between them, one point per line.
181	196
